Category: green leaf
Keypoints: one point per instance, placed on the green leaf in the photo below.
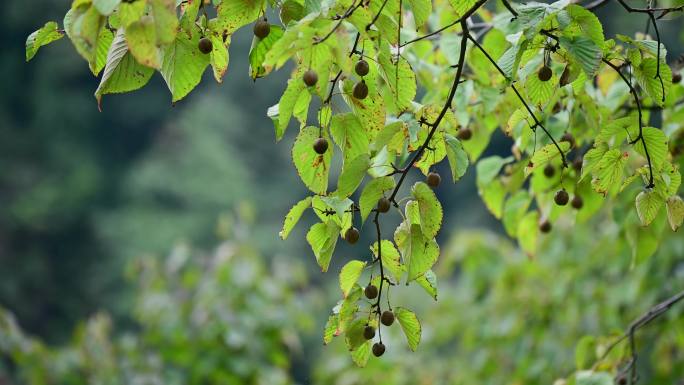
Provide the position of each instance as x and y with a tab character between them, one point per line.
183	65
584	52
233	14
141	37
410	325
349	135
122	73
458	159
400	78
352	175
83	25
218	57
493	194
313	169
418	252
488	169
675	211
391	260
282	112
47	34
510	60
260	47
429	208
421	11
428	281
323	237
372	192
131	12
462	6
166	22
538	91
515	209
656	144
585	352
293	216
592	158
370	111
576	20
291	11
350	273
545	155
331	328
645	74
361	354
609	172
189	11
106	7
648	203
354	334
348	309
528	231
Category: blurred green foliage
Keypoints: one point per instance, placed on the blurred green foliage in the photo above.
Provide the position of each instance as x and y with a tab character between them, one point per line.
229	317
202	318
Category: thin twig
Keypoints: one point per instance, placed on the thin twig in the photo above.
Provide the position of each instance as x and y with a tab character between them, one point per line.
537	122
637	101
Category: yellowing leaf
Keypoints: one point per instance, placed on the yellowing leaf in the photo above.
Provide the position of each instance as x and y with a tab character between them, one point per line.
313	169
410	325
47	34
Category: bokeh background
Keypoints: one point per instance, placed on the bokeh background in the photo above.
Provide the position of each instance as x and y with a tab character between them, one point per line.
139	245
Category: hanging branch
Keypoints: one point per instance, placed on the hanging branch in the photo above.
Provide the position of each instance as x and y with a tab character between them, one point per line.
637	101
339	73
537	122
646	318
347	14
477	5
433	128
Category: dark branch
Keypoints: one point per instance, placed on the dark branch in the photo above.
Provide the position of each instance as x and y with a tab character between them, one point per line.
537	122
477	6
646	318
637	101
346	14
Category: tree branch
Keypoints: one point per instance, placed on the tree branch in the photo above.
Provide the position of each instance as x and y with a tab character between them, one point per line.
637	101
537	122
646	318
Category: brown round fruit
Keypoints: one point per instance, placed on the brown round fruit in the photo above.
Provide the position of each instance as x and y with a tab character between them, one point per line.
320	146
371	291
545	226
362	68
368	332
205	46
567	137
360	90
545	74
262	29
577	202
433	179
561	198
378	349
549	171
387	318
310	78
565	77
676	78
383	205
352	235
465	133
